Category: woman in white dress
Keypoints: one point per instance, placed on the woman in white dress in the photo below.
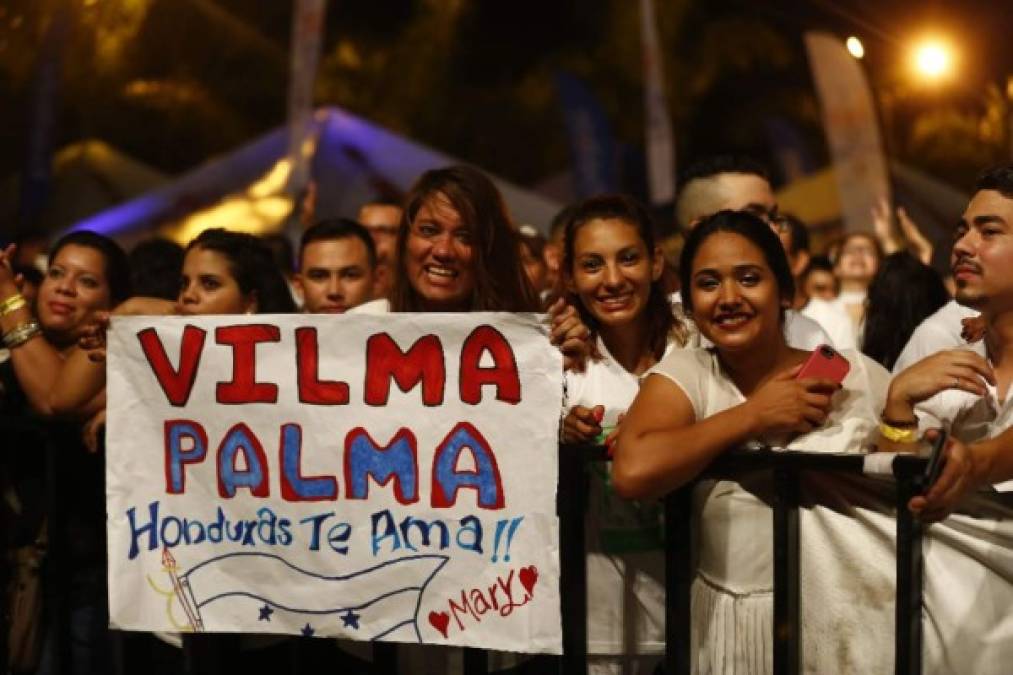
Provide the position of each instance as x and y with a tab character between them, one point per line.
698	403
612	271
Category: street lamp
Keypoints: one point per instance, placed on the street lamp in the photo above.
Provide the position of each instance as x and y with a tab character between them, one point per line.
933	60
855	47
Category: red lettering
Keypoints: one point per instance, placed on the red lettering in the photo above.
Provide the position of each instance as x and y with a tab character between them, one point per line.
464	607
312	389
385	360
503	373
176	383
243	388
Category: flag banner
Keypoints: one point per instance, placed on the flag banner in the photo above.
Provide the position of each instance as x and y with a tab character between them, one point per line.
385	477
849	120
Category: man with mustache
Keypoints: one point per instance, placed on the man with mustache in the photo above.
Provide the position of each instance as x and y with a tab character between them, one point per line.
967	390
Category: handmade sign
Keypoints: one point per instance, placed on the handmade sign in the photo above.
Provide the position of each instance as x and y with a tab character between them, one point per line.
370	477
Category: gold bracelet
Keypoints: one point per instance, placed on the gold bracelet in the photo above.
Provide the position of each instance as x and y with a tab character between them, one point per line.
16	301
21	334
896	435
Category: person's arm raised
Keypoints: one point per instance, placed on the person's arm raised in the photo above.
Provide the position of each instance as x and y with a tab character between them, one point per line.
35	360
81	381
661	445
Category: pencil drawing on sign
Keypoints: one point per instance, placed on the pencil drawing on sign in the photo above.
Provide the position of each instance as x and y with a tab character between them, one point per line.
378	602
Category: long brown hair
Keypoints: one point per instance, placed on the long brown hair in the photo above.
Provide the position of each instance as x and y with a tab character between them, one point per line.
662	323
500	282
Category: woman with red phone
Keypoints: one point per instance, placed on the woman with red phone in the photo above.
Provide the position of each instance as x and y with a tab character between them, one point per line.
750	386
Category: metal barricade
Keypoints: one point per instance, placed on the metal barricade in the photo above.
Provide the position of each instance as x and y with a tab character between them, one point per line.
785	466
213	654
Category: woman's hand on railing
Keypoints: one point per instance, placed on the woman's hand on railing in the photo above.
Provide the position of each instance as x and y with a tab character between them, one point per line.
953	369
582	425
784	404
570	334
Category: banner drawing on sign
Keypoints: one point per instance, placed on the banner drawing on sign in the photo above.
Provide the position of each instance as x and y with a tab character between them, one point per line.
376	478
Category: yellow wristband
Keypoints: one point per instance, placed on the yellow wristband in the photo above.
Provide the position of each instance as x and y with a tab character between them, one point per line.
16	301
897	435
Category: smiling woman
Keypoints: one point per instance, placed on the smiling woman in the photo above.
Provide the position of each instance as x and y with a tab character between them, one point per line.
612	275
87	272
698	403
457	250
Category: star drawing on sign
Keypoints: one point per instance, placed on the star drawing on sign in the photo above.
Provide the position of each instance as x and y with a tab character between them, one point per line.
265	613
307	630
350	619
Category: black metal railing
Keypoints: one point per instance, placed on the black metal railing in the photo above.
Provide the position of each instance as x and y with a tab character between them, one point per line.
786	467
213	654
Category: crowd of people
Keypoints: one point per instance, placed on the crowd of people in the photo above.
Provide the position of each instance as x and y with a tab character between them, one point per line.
670	361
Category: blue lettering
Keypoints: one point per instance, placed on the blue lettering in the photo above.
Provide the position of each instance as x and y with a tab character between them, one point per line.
137	532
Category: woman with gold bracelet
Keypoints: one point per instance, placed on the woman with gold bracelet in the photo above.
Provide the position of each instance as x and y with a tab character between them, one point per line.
87	273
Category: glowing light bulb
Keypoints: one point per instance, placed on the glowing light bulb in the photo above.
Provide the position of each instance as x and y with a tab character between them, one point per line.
855	47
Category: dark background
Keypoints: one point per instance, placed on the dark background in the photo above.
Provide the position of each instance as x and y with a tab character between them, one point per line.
174	82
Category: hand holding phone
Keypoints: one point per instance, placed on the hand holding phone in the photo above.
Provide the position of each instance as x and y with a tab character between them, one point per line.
825	363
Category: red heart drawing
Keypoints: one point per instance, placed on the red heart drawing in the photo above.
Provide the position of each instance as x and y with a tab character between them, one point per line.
440	621
528	576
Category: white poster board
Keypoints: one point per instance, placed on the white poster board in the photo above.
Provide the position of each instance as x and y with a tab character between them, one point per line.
369	477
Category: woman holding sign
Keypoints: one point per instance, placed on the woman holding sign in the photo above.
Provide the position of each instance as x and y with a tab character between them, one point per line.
697	403
457	251
612	274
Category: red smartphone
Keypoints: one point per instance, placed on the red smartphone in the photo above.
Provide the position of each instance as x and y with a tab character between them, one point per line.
825	363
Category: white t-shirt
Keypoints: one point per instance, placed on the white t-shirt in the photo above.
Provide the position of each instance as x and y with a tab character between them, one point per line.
625	590
936	333
833	317
732	600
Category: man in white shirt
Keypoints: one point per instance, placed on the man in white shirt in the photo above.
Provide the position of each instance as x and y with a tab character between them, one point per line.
939	331
740	184
982	263
968	624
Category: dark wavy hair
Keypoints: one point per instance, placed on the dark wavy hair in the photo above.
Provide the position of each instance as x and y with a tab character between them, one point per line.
661	320
116	266
903	293
998	178
251	265
500	282
745	225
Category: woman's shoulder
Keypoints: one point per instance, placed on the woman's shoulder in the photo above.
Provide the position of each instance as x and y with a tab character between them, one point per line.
685	362
865	372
